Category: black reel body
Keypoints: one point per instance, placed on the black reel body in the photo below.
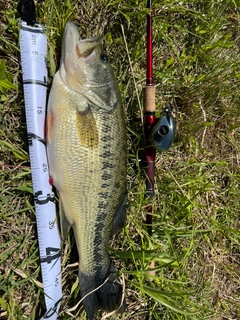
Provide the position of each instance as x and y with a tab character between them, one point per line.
163	132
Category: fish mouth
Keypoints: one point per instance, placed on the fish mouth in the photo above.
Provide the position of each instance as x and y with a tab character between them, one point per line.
73	47
85	49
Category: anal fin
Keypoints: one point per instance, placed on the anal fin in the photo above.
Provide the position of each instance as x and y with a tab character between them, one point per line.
64	223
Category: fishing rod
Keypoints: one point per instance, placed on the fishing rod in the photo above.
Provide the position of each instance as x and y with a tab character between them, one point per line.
158	133
33	52
149	118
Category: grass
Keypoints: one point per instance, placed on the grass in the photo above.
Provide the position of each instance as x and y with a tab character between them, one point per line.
195	241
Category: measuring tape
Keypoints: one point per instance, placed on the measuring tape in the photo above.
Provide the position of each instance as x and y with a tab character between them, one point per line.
33	50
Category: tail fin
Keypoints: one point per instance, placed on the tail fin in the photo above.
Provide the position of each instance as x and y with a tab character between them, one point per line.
108	297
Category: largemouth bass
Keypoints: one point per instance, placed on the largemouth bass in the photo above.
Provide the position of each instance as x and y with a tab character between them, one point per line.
86	146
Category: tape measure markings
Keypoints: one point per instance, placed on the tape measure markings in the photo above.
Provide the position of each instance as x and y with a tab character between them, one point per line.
33	49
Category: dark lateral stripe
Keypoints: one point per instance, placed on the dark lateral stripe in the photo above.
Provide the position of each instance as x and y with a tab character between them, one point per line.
31	29
38	82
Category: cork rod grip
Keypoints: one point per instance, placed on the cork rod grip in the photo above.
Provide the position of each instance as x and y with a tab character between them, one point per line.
149	98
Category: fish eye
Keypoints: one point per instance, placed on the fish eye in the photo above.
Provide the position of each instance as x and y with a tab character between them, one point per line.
104	57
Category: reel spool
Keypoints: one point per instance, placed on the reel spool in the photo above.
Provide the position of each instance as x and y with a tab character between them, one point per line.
163	132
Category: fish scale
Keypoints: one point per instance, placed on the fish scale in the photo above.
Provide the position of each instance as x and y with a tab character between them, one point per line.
86	143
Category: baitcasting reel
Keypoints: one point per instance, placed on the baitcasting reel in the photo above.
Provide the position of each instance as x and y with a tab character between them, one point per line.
163	132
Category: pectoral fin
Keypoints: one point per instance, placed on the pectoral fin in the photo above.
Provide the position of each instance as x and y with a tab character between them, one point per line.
87	128
120	216
64	223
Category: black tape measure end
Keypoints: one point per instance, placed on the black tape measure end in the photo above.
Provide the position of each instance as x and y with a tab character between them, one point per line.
26	9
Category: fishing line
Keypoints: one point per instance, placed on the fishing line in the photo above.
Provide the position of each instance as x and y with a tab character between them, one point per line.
122	301
75	307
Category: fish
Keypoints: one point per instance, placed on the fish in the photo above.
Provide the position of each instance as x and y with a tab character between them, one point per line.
87	154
